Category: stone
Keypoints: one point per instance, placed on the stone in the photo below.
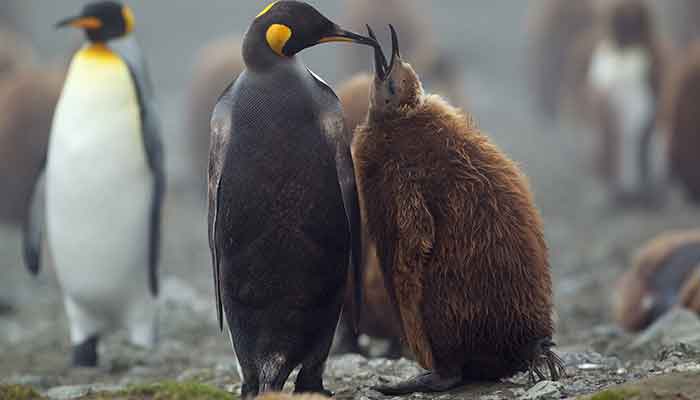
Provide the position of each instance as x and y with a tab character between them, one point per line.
544	390
78	391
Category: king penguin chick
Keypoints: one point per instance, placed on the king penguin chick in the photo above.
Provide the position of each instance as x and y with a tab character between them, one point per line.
458	238
624	79
665	273
218	64
104	185
283	210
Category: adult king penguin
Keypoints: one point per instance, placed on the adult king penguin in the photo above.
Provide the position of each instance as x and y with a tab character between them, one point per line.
283	211
104	185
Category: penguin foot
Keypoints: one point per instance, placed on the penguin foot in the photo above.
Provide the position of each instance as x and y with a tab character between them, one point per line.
429	382
249	390
320	391
85	353
545	357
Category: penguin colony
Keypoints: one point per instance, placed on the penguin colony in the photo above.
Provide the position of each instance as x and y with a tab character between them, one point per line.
106	264
427	235
458	238
665	274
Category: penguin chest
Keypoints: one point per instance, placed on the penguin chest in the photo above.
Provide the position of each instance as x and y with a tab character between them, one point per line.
99	186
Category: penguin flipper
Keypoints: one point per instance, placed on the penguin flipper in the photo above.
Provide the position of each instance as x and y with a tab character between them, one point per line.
221	121
346	178
33	229
129	51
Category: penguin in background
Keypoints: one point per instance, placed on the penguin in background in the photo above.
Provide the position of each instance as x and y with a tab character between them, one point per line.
624	81
103	187
284	221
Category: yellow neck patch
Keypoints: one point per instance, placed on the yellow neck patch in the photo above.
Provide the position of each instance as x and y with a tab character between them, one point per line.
128	19
277	36
97	51
266	9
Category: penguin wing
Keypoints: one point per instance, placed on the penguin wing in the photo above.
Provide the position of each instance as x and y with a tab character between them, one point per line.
345	169
129	51
33	230
220	133
346	178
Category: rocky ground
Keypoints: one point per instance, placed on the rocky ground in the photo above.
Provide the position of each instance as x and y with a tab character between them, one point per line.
591	244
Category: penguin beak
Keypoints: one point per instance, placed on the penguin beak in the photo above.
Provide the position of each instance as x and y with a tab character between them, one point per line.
82	22
340	35
395	53
380	66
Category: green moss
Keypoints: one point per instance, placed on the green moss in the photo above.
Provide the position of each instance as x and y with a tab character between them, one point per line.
615	394
18	392
166	391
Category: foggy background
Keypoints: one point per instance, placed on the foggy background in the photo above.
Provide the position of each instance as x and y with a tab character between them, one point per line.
591	242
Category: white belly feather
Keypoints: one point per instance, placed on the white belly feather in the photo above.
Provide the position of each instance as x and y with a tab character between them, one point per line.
99	189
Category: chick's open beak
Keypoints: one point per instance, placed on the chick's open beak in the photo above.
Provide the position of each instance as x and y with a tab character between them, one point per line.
341	35
83	22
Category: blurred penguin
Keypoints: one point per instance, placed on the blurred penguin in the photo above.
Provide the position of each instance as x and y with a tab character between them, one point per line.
682	118
442	73
624	82
554	26
217	65
665	273
28	99
104	185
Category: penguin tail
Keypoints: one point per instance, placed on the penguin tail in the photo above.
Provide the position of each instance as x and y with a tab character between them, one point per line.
273	373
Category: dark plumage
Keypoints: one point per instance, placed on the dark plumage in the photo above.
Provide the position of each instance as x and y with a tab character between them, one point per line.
458	237
284	220
683	122
665	273
28	99
218	64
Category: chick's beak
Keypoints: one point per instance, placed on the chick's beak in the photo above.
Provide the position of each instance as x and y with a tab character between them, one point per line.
340	35
83	22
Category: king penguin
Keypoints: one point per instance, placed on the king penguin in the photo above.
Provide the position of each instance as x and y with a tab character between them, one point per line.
103	188
284	222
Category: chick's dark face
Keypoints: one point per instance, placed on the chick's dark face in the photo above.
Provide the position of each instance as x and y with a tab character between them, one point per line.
102	21
292	26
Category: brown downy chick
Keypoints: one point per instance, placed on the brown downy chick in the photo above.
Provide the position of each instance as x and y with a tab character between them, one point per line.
458	238
665	273
28	100
219	64
683	120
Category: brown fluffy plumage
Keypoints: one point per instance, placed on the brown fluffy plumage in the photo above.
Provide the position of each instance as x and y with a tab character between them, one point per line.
665	273
28	99
218	64
554	27
683	121
458	237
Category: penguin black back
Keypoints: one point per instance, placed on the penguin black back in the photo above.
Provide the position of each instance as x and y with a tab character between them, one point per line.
283	214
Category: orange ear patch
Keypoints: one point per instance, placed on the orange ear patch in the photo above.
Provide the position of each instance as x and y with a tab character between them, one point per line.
277	36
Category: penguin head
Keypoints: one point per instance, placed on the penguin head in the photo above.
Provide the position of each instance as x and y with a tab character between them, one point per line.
284	28
102	21
396	84
630	24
